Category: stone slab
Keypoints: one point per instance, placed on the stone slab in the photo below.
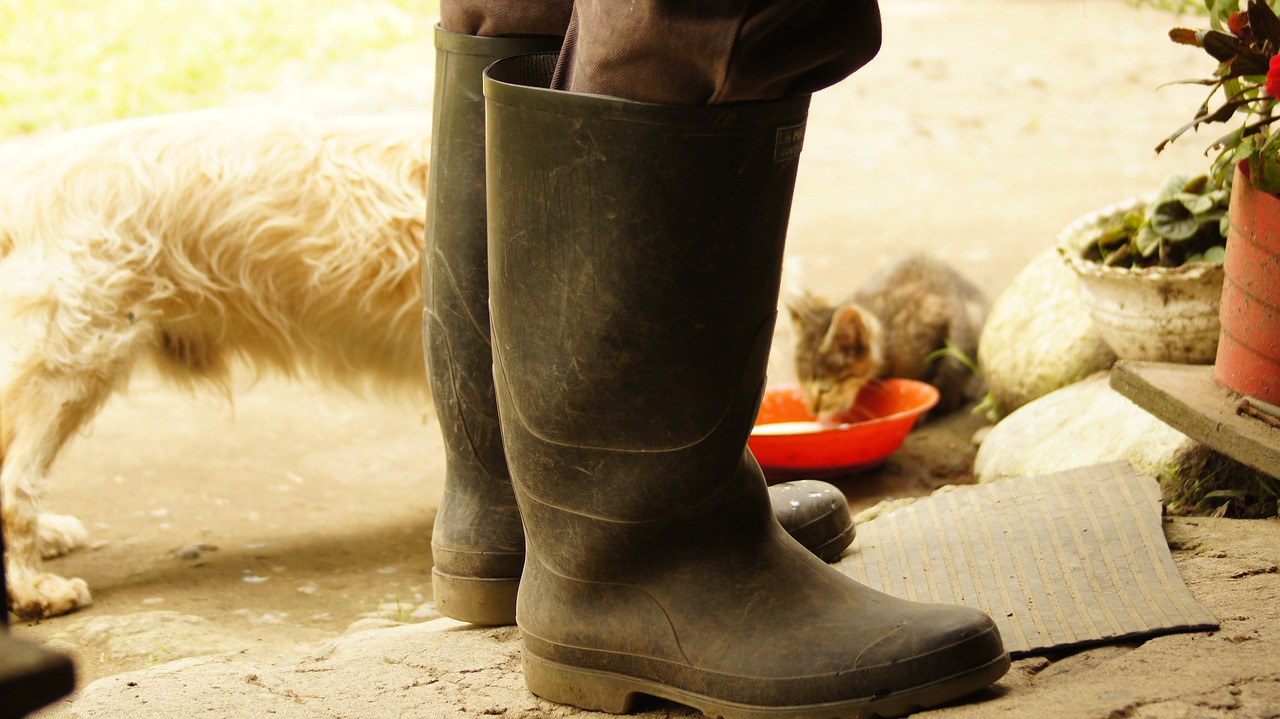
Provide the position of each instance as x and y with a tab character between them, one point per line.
1189	399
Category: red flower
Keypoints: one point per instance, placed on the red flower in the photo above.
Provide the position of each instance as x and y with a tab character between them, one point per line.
1273	77
1238	23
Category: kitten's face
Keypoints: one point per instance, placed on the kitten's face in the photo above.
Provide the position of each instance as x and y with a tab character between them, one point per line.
836	355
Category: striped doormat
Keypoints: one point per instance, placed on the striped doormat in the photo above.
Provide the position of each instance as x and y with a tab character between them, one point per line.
1059	560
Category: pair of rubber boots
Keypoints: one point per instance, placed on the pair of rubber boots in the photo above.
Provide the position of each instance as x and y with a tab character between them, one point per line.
632	271
478	540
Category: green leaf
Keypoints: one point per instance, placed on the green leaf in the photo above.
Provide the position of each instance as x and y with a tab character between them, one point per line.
1215	255
1171	219
1196	185
1226	494
1220	10
1195	204
1224	165
1222	114
1265	173
1172	185
1208	221
1119	257
951	350
1147	241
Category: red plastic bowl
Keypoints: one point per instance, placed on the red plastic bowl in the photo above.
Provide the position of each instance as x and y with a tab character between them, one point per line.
864	437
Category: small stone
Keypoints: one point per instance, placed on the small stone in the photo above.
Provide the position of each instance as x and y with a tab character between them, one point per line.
368	624
193	551
425	613
269	618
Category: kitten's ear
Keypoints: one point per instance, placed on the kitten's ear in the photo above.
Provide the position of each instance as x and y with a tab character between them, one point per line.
846	332
799	304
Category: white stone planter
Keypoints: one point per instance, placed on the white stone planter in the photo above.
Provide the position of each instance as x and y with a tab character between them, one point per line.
1157	314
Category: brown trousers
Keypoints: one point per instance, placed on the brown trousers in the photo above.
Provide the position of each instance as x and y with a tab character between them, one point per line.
687	52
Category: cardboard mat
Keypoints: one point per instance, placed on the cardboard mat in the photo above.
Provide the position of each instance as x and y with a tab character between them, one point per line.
1060	560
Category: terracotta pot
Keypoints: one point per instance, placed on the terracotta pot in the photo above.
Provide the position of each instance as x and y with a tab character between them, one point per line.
1248	359
1156	314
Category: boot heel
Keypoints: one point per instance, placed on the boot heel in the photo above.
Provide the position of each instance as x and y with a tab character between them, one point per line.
582	688
476	600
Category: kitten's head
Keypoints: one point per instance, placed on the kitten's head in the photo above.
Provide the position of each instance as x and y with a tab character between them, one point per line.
838	350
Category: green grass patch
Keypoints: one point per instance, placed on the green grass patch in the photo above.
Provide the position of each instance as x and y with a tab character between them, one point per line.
67	63
1178	7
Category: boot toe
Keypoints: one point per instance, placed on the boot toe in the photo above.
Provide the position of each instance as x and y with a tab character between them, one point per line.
932	658
816	514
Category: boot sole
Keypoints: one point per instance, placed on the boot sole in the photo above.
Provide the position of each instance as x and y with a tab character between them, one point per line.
617	694
475	600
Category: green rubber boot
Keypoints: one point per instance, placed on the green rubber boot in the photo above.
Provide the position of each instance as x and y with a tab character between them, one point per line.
477	543
635	255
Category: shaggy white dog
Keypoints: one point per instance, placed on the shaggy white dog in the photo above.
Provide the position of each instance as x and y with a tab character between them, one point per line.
198	242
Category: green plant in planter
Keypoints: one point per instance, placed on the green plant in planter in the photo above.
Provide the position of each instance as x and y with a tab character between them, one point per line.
1184	223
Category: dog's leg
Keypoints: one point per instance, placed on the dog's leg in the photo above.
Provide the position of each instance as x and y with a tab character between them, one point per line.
42	407
60	534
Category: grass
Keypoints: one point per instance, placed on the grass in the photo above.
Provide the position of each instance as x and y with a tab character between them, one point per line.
1178	7
1203	482
68	63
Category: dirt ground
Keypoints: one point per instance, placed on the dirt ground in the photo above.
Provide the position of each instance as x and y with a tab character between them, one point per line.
983	128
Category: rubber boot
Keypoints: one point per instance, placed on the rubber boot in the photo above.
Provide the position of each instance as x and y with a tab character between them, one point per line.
635	255
477	542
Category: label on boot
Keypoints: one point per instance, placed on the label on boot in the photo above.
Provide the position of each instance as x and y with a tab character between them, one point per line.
787	143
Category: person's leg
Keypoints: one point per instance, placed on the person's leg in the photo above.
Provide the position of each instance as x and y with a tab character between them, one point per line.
635	253
715	51
506	18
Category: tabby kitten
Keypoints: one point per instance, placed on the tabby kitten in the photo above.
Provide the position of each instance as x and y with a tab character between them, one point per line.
889	327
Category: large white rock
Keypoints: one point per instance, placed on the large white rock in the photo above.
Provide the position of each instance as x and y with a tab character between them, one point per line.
1082	424
1039	337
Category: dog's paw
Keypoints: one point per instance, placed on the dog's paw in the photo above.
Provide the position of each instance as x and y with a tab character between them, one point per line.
59	534
39	596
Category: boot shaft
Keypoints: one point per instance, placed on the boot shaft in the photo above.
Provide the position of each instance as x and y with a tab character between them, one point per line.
455	264
636	249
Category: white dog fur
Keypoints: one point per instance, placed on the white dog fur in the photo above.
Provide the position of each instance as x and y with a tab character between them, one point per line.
198	242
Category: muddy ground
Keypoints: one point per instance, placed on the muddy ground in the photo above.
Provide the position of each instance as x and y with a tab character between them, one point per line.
982	129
